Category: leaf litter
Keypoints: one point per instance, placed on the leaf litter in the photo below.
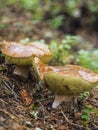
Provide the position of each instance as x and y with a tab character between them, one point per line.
25	105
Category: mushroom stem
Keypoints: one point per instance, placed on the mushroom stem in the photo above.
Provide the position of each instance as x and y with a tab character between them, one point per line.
22	71
58	100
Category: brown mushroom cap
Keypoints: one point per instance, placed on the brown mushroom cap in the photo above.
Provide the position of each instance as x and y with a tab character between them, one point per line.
23	54
65	81
68	80
42	47
41	68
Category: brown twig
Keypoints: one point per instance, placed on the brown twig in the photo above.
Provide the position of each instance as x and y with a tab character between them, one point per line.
95	125
3	101
44	99
70	123
7	113
92	101
7	86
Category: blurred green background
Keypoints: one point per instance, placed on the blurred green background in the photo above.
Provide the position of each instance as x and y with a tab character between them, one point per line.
69	27
66	16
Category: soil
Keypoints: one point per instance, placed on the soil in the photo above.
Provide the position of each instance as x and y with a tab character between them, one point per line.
24	103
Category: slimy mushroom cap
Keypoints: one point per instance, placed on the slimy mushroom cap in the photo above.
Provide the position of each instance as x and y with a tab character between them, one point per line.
20	54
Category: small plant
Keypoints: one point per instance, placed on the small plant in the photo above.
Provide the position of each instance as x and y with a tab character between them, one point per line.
86	115
34	114
62	51
33	107
72	8
83	95
4	25
25	41
88	59
56	22
93	5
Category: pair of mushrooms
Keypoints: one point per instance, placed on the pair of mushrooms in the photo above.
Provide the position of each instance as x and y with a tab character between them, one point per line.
64	81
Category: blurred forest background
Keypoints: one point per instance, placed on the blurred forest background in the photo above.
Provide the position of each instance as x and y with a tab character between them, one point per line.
70	27
58	16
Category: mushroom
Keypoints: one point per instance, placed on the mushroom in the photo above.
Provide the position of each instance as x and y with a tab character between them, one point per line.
65	81
47	54
22	55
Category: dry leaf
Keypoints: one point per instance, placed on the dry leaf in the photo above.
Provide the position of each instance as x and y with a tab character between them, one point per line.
25	97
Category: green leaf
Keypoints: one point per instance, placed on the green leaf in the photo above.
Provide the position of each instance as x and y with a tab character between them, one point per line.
85	117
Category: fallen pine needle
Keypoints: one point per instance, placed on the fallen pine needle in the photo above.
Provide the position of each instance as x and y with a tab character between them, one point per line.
70	123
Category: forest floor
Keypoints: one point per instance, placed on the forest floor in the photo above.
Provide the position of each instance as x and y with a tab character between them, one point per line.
24	104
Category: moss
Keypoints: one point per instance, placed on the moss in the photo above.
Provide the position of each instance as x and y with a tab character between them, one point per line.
46	58
26	61
67	85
